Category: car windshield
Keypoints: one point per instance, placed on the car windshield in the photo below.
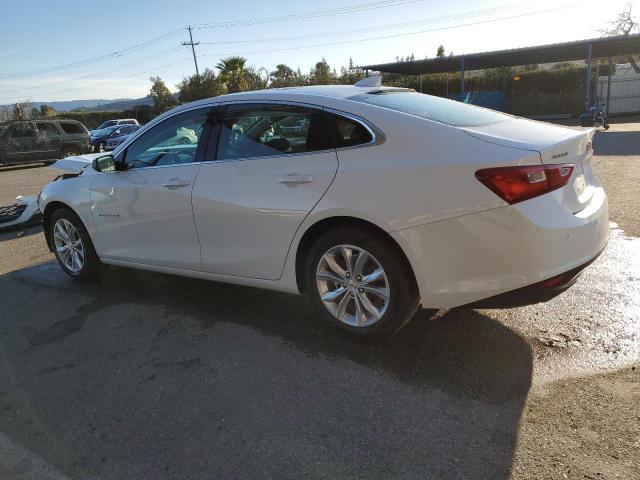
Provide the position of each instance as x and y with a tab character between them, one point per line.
108	123
449	112
103	131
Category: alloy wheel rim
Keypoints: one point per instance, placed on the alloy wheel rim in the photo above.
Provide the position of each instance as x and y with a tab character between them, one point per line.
352	285
69	246
70	154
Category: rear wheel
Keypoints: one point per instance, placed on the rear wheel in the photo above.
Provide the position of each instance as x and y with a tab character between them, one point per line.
361	282
72	245
69	152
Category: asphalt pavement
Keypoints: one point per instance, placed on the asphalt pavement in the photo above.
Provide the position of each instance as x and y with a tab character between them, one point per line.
144	375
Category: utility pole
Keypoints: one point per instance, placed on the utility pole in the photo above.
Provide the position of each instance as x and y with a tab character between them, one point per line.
193	50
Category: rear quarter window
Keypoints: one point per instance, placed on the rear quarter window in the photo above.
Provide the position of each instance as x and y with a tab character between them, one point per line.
71	128
348	132
449	112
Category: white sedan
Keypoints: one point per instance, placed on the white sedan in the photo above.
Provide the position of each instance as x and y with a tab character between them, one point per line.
382	201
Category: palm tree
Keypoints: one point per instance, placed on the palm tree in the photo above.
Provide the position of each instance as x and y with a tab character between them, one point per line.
232	73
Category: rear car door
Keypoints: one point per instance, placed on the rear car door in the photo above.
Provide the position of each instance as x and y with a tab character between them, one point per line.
143	214
272	164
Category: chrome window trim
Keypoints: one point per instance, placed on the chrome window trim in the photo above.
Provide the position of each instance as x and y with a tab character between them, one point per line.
156	121
153	167
377	137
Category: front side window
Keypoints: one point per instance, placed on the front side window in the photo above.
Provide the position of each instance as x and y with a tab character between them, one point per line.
70	127
22	130
171	142
268	130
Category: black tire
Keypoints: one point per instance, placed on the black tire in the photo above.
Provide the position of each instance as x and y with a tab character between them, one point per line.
69	151
91	265
403	293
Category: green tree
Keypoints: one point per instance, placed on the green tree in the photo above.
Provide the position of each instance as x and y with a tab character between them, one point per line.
162	98
256	79
283	76
232	73
205	85
440	52
322	74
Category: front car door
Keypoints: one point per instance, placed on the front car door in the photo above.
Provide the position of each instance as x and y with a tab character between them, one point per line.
19	143
48	140
273	164
143	214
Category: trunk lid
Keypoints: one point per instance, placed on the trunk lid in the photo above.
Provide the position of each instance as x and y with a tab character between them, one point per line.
556	145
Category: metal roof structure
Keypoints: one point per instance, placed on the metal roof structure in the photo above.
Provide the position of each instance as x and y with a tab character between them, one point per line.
558	52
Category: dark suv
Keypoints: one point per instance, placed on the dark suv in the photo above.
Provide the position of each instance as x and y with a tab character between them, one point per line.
41	140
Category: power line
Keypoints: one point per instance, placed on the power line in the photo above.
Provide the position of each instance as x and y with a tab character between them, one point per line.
154	69
308	15
384	37
193	49
94	74
89	61
413	23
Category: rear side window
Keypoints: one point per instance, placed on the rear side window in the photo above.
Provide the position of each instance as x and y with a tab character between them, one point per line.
272	130
71	128
348	132
449	112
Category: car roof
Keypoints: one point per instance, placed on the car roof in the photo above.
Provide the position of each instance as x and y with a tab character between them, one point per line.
312	94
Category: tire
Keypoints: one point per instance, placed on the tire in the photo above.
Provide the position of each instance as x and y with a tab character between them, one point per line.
69	152
396	281
86	265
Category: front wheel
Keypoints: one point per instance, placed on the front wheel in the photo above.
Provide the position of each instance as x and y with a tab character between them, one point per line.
72	245
361	282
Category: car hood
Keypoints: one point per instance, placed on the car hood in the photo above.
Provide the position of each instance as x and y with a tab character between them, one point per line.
79	164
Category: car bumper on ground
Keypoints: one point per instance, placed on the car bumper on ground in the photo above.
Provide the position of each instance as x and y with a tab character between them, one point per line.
23	213
479	256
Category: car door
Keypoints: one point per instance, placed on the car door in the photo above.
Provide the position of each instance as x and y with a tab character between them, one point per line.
48	141
20	143
272	164
143	214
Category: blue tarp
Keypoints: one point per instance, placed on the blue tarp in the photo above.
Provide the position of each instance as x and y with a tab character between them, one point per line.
494	100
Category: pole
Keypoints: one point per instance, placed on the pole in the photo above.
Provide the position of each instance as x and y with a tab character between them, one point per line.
587	87
420	83
192	44
609	88
461	77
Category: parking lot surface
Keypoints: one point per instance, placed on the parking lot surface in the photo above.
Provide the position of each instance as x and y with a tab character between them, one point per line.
143	375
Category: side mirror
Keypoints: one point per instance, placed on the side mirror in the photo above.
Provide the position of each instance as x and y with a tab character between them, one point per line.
108	163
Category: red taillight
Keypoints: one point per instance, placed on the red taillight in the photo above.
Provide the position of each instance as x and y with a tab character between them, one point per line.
515	184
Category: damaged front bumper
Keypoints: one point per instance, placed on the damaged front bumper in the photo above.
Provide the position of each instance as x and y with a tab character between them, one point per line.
23	213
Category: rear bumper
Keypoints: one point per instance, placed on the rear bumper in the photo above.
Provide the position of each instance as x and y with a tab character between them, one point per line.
481	256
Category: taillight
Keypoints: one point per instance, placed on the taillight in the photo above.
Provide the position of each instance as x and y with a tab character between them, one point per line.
515	184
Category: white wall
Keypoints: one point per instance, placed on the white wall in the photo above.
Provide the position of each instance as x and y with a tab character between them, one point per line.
625	90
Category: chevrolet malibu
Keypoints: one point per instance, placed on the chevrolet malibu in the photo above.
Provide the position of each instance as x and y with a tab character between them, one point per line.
380	201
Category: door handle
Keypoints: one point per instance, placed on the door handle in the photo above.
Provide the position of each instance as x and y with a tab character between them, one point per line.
176	183
295	179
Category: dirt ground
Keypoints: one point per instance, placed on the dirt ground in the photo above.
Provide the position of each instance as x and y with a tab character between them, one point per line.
151	376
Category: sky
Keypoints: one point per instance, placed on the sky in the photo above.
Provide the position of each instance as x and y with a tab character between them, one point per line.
54	51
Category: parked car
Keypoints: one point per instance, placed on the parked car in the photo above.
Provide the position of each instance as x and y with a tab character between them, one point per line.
390	200
119	136
116	122
99	138
27	140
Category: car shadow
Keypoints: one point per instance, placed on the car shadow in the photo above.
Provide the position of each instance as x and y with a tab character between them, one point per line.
617	143
241	382
20	232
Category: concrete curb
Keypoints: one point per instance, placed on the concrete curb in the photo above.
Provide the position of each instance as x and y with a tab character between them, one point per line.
11	168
